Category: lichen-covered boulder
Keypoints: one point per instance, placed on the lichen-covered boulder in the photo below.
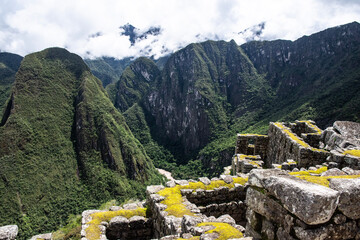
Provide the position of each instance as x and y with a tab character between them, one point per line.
258	176
311	203
8	232
349	202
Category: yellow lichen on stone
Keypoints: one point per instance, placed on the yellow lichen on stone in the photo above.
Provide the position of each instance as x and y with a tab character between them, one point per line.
225	230
243	156
310	172
324	180
354	152
296	138
174	201
318	130
254	163
93	231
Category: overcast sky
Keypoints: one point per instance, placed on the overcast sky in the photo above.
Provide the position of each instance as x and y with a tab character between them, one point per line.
91	28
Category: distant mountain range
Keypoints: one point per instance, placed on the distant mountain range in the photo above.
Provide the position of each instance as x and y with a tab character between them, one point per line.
67	144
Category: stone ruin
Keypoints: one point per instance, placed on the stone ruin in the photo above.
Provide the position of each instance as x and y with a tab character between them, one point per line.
299	145
297	182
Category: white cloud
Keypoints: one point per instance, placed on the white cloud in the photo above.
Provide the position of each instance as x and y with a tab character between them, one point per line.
28	26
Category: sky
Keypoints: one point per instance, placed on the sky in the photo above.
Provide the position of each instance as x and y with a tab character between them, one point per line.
92	28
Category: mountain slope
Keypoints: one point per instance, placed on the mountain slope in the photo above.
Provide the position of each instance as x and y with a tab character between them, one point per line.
202	86
64	147
318	74
9	64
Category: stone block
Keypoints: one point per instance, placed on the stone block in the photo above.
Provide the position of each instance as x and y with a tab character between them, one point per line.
205	180
267	230
8	232
311	203
154	189
257	176
182	182
349	201
329	231
268	208
281	234
333	172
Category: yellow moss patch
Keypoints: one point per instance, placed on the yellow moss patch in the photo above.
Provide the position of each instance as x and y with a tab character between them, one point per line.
296	138
93	231
224	230
243	156
173	198
174	202
309	172
354	152
324	181
254	163
318	130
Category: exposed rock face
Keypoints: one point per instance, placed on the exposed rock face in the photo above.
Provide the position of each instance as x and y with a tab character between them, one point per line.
8	232
135	82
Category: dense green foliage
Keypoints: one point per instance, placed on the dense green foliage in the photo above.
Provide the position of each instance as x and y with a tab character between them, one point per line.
64	147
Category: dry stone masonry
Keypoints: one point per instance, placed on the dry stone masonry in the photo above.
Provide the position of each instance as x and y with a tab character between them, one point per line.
299	145
297	182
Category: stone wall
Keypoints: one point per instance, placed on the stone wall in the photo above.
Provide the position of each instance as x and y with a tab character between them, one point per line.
137	227
308	131
284	145
281	206
251	144
245	163
204	199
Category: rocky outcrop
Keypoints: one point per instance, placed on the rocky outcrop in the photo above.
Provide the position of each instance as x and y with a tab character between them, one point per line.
342	135
8	232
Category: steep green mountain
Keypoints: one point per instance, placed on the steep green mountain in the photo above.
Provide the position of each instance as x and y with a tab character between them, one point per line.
210	91
63	145
202	86
136	81
9	64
